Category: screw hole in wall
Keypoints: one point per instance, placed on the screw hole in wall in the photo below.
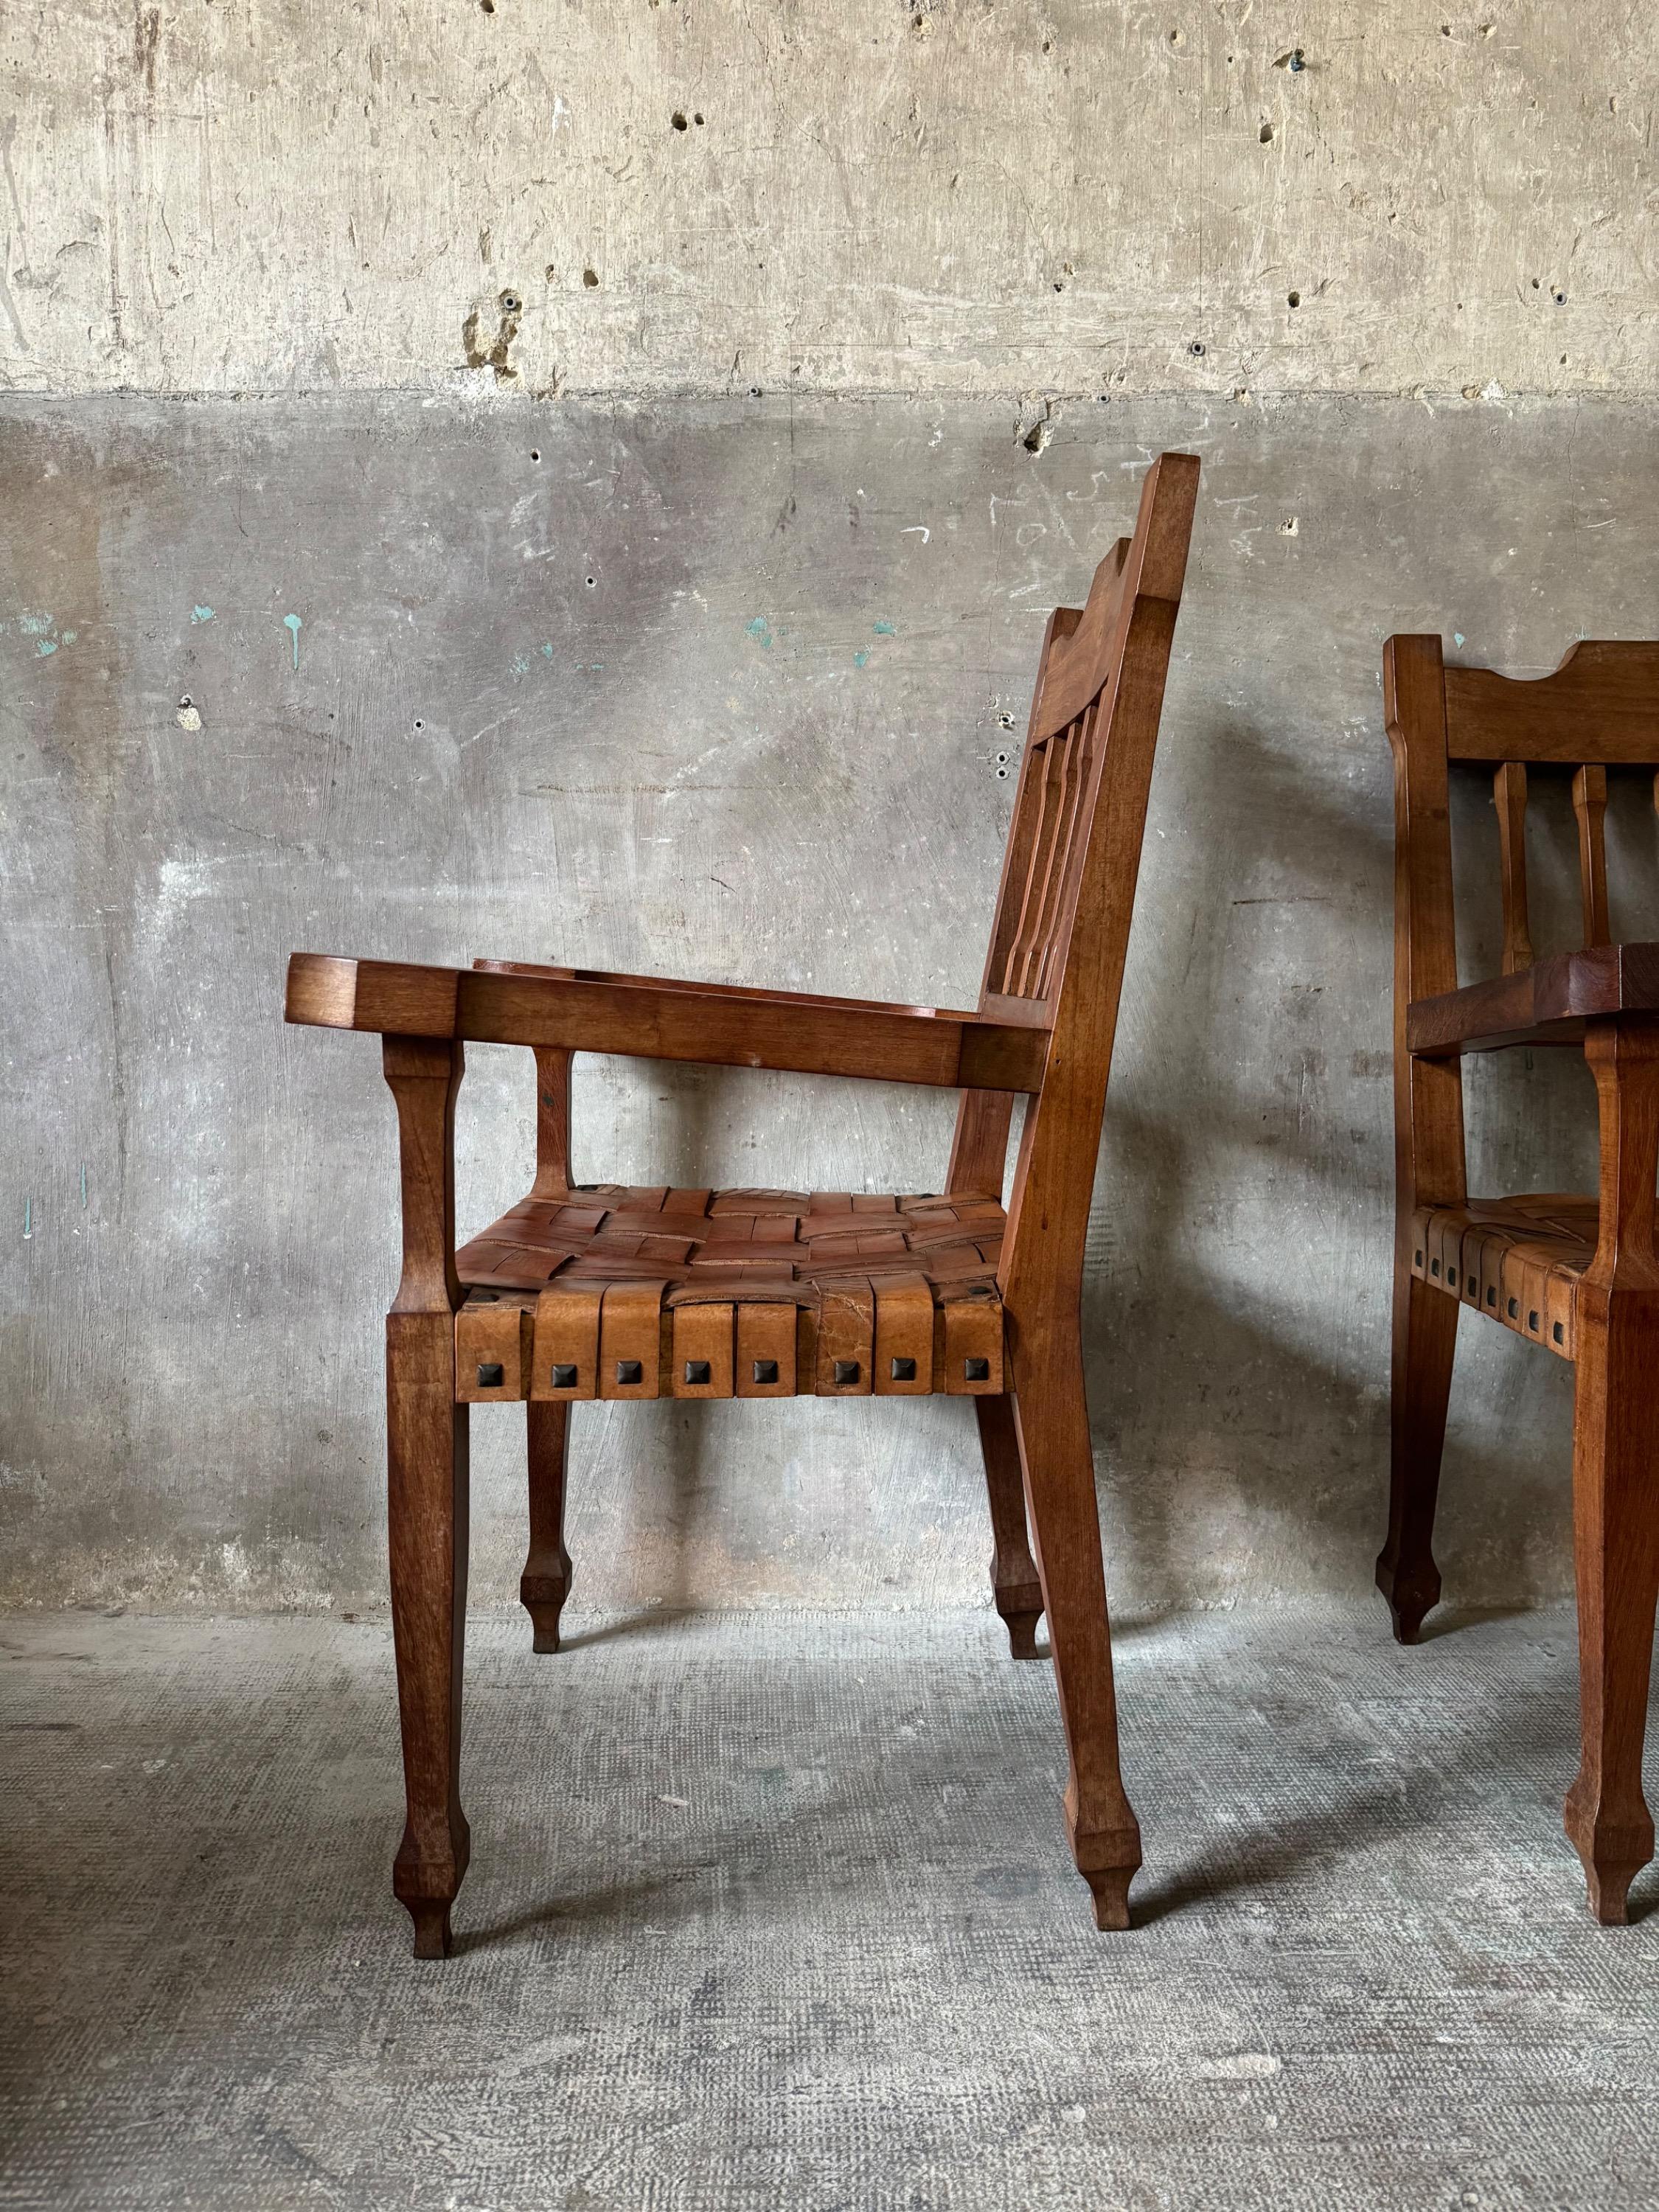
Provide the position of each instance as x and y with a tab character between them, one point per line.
1196	347
677	118
419	724
535	453
1293	299
591	581
511	302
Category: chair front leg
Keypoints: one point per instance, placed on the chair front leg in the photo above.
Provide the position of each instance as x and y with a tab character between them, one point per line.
427	1500
1616	1473
426	1492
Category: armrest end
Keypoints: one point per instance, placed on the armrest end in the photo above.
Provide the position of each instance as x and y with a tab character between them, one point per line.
389	996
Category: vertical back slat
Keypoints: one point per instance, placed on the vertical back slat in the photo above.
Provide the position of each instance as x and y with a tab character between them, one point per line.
1509	795
1059	846
1589	804
1067	874
1050	796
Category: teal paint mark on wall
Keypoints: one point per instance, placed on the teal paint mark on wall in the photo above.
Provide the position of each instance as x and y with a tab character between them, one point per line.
34	625
861	658
294	624
885	628
761	630
201	614
547	653
46	645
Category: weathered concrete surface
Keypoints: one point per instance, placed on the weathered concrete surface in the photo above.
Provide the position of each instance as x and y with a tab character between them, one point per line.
778	1912
968	196
722	689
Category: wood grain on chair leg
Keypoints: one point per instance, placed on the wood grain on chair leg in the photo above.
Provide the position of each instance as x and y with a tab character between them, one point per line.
1616	1472
1424	1344
545	1583
1052	1424
1015	1587
427	1490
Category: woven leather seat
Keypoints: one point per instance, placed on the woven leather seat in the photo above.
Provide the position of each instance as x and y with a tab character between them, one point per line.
611	1291
1517	1260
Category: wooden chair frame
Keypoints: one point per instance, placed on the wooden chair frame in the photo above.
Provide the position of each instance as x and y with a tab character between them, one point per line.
1579	1276
1043	1029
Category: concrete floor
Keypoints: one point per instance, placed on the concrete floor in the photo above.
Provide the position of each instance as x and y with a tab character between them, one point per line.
854	1968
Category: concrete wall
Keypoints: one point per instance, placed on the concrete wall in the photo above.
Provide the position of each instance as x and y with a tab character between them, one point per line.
679	625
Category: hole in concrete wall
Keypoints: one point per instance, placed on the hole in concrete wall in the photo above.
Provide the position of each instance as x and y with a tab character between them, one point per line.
1559	298
1266	134
1293	299
591	581
677	118
489	6
535	453
511	303
1196	347
697	119
419	724
590	277
1006	721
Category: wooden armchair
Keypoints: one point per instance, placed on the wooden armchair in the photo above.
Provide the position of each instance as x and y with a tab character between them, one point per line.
604	1293
1578	1275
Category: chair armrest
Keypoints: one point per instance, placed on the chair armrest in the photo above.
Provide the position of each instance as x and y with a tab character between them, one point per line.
1546	1004
717	1026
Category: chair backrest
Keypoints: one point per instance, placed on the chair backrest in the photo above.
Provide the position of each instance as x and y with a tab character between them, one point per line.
1062	928
1599	709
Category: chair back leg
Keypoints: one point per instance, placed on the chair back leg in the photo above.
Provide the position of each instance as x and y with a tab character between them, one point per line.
1015	1588
1424	1342
545	1583
1051	1417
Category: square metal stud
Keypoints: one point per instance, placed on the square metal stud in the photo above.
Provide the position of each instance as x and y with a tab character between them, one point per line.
629	1370
846	1371
564	1378
696	1370
766	1370
904	1370
977	1370
490	1376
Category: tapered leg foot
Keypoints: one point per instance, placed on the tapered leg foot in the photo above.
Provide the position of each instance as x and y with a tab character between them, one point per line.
1015	1587
545	1583
1109	1888
1410	1601
1022	1634
433	1935
1424	1344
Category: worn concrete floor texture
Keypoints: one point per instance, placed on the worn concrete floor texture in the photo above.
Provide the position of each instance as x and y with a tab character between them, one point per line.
774	1909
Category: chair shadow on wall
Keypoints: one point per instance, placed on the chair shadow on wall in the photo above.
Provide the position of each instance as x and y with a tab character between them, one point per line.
1157	1171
